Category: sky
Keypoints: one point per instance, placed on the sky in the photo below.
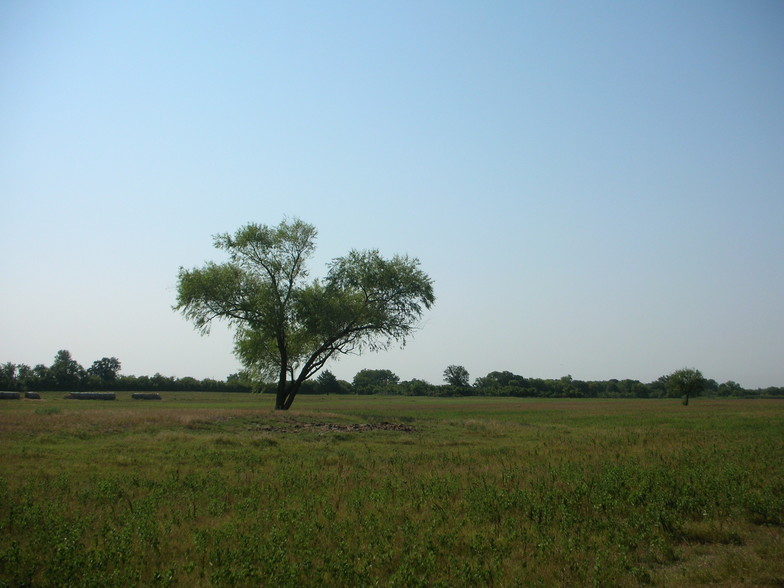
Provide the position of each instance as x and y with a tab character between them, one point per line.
595	188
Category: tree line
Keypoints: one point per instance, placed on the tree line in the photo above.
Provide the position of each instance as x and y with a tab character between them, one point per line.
68	375
680	383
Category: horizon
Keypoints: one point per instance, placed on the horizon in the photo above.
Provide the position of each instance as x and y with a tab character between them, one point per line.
442	382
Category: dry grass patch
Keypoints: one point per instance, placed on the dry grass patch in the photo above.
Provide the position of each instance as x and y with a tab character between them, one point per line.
749	557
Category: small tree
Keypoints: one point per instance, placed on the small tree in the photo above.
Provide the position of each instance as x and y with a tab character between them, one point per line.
456	375
685	383
287	328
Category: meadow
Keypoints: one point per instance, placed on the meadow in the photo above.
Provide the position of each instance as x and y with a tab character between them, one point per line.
206	489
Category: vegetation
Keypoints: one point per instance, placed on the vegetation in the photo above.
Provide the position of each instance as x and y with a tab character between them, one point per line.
684	383
288	328
207	489
67	375
457	376
22	378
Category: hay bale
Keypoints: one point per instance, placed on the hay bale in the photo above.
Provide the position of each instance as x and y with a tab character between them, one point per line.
33	395
90	396
146	396
9	395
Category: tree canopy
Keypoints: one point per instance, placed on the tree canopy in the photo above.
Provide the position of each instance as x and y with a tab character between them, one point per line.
685	382
371	381
456	375
106	369
287	326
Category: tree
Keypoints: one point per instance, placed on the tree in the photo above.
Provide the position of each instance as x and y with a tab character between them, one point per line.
25	377
684	383
456	375
329	384
41	378
67	373
417	387
730	388
8	379
371	381
286	327
106	369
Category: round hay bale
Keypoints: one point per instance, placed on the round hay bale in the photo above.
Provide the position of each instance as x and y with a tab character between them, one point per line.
146	396
90	396
33	395
9	395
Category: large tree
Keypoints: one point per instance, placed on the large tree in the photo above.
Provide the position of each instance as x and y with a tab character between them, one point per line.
287	326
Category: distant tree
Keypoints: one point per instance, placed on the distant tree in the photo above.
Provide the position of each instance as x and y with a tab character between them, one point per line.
138	383
730	388
456	375
66	372
711	387
372	381
286	327
240	381
159	382
685	383
658	388
417	387
328	383
565	387
41	378
238	377
106	369
310	387
505	384
211	385
187	383
25	377
639	389
8	376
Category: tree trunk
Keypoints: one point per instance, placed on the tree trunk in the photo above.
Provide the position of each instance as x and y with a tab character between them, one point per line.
280	395
289	400
285	394
291	393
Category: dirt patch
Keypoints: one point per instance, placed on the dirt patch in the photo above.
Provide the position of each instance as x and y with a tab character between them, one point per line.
335	428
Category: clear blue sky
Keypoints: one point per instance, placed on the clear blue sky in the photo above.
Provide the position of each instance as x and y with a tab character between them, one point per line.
596	188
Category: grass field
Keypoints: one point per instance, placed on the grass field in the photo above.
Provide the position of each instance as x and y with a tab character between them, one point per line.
202	490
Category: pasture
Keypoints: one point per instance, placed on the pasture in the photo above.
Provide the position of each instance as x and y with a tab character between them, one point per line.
220	490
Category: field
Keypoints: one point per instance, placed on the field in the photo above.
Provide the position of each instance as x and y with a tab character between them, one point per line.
220	490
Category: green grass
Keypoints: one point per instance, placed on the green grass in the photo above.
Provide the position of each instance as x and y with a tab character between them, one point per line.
200	490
